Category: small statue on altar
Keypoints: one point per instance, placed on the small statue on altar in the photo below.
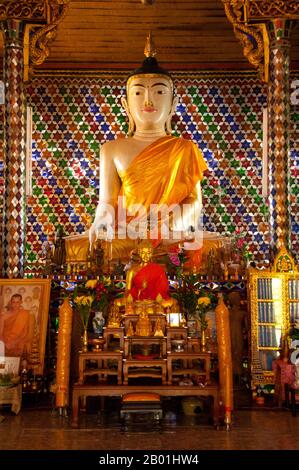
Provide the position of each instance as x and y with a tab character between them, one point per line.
98	255
143	325
147	280
114	316
130	330
47	258
158	328
129	305
59	256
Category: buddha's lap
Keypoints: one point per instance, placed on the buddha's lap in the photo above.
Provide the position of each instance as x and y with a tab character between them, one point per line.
77	249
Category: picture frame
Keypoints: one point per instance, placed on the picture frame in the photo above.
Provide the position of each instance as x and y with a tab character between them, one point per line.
174	319
9	365
24	310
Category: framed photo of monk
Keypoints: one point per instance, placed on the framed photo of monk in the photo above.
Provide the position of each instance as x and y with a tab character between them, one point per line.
24	307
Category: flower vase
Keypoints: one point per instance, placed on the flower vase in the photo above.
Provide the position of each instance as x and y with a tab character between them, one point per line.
192	327
259	400
98	323
85	340
203	340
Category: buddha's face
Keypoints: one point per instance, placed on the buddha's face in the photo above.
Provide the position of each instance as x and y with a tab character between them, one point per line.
145	254
150	101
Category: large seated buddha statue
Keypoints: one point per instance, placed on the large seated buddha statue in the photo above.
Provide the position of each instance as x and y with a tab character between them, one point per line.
150	181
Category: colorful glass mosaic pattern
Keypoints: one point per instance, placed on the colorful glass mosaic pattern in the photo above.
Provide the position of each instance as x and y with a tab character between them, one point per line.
279	123
13	239
74	116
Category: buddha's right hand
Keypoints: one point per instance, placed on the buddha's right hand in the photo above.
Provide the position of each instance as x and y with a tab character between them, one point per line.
102	227
100	231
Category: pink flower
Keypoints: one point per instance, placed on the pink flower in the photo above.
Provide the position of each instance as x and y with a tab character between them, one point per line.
174	259
240	244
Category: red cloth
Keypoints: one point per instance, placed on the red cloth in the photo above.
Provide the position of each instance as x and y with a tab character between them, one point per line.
156	283
287	373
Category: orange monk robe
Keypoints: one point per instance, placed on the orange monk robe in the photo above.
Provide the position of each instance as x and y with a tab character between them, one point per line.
15	332
149	282
165	172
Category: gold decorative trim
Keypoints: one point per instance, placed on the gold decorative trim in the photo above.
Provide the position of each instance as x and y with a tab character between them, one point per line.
284	300
122	75
38	43
251	37
284	262
270	9
23	10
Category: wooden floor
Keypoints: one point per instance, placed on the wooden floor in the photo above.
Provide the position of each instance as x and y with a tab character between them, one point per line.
42	429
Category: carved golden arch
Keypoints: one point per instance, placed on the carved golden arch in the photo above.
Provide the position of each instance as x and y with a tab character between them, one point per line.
284	262
253	38
270	9
249	19
41	18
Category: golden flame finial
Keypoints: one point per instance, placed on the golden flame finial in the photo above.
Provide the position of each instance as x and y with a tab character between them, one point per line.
150	50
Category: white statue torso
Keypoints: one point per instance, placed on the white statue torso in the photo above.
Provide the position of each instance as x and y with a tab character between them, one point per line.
124	150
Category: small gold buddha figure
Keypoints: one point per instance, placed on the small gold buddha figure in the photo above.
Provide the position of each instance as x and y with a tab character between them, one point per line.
121	304
143	325
159	310
150	309
138	307
129	306
182	320
147	280
170	305
158	328
130	330
114	317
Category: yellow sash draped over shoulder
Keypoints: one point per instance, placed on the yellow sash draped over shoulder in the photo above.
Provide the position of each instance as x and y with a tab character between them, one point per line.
166	172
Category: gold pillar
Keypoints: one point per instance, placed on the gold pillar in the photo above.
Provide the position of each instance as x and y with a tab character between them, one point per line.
224	358
63	354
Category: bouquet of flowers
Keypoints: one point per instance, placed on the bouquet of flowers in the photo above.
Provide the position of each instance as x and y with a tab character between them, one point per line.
194	300
203	305
240	247
94	295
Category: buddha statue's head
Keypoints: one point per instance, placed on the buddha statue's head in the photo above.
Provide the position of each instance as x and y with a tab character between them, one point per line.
150	102
145	251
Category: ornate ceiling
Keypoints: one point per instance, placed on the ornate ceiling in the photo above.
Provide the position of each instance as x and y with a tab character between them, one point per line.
188	34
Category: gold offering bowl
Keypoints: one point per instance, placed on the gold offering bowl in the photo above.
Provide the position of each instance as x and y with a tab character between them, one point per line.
178	345
97	344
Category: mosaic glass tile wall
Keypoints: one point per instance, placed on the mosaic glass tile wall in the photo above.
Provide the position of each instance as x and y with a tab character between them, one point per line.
72	117
1	168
